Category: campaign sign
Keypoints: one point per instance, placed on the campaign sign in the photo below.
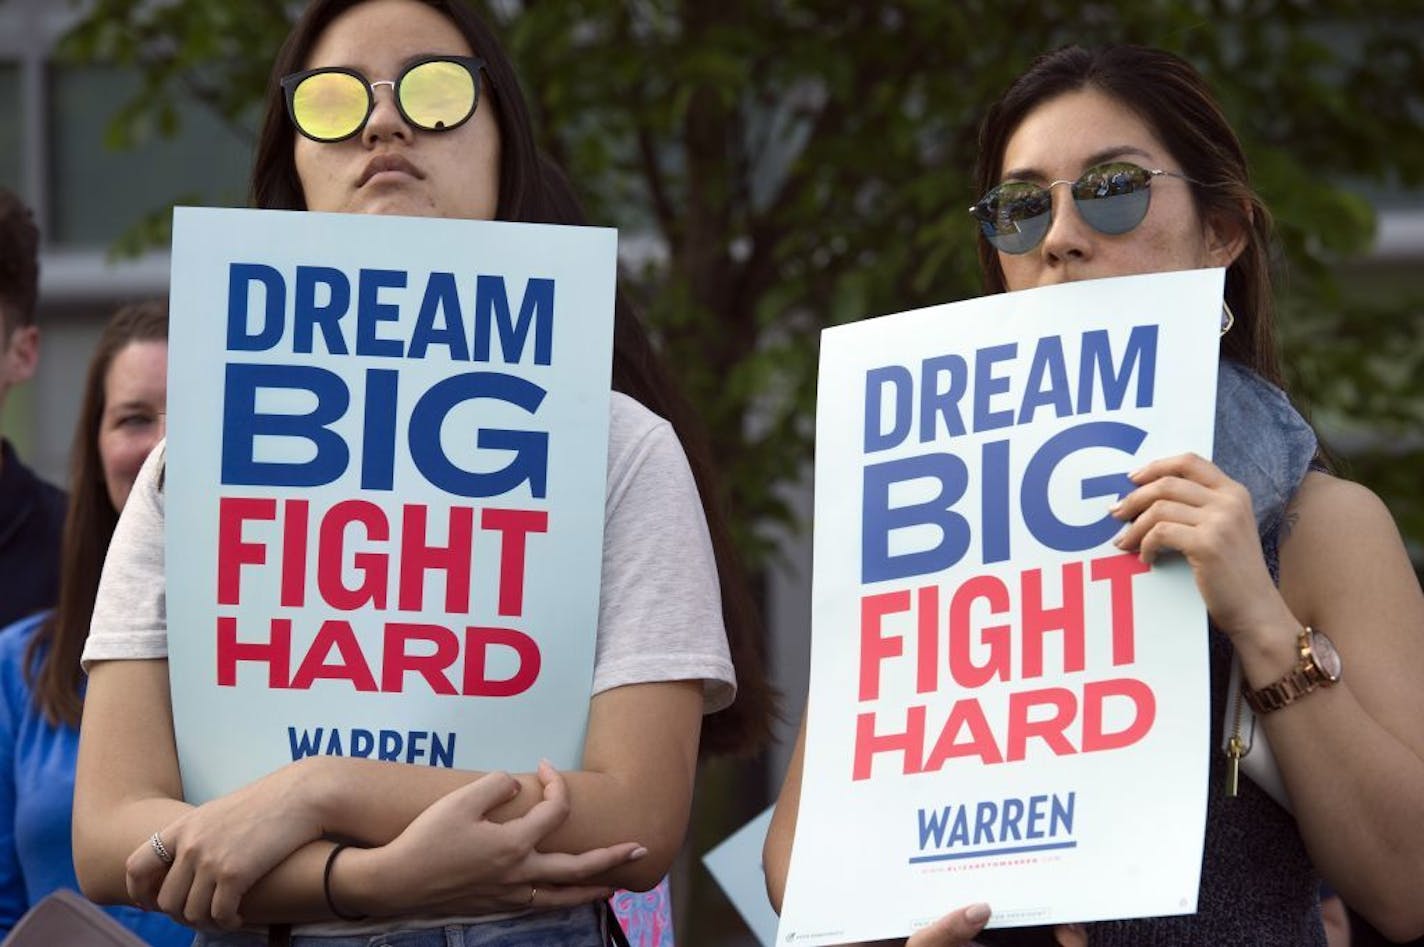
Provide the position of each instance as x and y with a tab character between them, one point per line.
387	447
1004	707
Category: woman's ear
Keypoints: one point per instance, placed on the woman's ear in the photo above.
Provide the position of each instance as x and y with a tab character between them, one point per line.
20	355
1227	235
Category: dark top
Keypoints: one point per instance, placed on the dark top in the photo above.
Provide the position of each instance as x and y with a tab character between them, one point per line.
31	523
1258	885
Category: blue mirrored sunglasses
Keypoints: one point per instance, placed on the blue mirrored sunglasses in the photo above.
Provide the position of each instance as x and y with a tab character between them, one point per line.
1112	197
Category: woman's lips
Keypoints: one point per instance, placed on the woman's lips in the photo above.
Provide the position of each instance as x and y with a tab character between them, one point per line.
381	164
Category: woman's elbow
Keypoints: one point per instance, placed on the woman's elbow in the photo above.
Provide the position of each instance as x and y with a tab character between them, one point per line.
91	884
1394	908
643	874
97	880
775	888
776	856
773	864
1401	921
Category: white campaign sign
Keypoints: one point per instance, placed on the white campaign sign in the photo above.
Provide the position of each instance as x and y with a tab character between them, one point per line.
387	441
1004	707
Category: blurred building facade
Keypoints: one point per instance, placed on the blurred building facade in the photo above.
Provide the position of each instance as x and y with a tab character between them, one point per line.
55	153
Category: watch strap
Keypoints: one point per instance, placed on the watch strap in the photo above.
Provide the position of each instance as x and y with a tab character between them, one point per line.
1300	680
1290	688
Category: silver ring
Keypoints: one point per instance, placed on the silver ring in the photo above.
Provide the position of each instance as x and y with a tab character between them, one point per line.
161	850
532	891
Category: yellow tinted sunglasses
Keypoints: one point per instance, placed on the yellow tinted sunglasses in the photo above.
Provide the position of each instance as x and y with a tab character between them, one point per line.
434	93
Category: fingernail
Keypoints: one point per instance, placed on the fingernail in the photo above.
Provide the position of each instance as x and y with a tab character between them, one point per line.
1115	508
637	853
976	913
1136	474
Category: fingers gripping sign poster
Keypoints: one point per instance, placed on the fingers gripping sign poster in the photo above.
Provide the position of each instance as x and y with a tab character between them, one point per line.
385	489
1004	706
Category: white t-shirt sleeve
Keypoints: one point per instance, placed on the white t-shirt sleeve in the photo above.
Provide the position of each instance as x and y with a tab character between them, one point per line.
660	613
131	611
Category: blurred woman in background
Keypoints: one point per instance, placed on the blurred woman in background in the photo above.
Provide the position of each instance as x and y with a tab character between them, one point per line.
41	686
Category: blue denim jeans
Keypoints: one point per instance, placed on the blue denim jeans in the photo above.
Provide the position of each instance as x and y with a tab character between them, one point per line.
568	927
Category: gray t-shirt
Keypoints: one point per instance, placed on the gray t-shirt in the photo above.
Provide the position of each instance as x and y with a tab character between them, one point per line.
660	612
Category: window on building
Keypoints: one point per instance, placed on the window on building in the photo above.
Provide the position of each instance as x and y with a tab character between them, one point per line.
98	192
10	125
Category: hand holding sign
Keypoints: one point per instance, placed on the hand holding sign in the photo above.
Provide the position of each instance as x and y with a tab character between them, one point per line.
956	929
959	928
991	709
1186	504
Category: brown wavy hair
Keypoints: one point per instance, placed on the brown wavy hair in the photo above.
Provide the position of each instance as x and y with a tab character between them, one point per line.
52	659
533	189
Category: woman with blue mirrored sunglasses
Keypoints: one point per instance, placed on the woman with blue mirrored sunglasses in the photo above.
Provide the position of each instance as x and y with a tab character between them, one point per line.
1309	617
1316	637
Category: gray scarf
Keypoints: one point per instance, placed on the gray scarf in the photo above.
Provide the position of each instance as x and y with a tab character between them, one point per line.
1264	444
1261	442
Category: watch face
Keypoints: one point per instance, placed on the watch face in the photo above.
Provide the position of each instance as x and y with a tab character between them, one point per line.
1326	657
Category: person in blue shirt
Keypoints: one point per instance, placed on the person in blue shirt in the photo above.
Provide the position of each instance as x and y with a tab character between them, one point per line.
41	686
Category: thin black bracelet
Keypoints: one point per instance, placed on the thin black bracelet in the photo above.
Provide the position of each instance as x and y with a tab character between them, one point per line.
326	886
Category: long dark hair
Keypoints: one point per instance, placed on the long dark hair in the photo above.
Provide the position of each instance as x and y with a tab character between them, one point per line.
52	659
533	189
1171	97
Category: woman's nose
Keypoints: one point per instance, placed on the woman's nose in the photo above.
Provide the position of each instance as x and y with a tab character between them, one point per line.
386	121
1069	237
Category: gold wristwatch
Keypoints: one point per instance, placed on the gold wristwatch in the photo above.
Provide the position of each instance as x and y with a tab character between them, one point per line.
1319	666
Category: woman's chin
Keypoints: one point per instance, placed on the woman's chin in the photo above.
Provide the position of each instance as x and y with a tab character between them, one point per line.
394	203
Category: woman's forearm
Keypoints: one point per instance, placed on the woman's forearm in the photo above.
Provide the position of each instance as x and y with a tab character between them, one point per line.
101	845
261	845
374	802
1352	755
776	851
126	782
453	859
625	794
1358	794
